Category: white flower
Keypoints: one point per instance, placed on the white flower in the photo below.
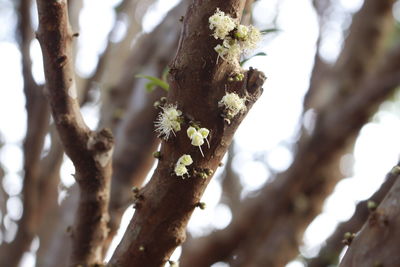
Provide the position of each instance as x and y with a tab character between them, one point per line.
197	137
221	24
230	50
185	160
180	170
233	103
252	38
190	131
168	121
180	166
204	132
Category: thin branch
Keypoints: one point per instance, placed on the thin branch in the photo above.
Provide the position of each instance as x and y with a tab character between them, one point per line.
168	201
231	185
50	210
57	244
378	241
90	152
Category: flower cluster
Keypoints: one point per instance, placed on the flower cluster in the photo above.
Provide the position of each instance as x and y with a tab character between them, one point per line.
236	38
198	136
233	104
168	121
221	24
180	166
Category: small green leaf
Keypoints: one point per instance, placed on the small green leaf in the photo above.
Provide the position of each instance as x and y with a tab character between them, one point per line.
153	82
150	86
164	74
267	31
256	55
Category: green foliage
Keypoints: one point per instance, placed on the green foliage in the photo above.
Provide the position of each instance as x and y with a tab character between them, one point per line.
256	55
268	31
154	82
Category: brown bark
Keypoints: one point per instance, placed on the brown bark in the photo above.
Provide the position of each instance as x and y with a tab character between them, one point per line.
378	241
254	236
158	225
135	137
329	253
90	152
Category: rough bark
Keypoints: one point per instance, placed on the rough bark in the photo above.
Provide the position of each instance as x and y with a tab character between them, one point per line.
135	137
89	151
378	241
253	236
329	253
158	225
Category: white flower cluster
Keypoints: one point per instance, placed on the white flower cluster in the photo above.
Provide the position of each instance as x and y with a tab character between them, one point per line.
233	104
198	136
168	121
221	24
244	38
180	166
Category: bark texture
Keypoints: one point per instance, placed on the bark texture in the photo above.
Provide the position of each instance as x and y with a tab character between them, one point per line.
168	201
268	230
329	253
378	241
89	151
135	137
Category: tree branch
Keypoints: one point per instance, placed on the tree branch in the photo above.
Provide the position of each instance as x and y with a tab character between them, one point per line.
136	139
378	241
90	152
329	254
158	225
311	177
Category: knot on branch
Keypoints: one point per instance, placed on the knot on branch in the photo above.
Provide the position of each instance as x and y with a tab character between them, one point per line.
255	81
101	144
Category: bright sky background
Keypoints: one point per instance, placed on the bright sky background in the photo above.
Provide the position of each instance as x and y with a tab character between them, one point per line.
268	131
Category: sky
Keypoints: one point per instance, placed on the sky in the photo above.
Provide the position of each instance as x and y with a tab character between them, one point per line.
269	131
